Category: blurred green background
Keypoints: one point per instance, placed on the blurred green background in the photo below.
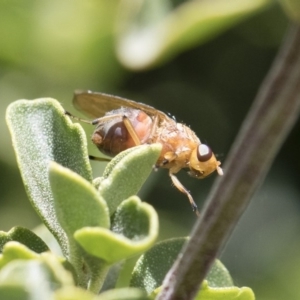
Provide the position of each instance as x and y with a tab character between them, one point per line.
50	48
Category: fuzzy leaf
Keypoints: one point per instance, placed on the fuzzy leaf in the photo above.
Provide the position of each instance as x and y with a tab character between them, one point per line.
124	294
153	266
125	174
77	202
73	293
134	230
227	293
223	293
24	278
25	237
152	31
40	134
14	250
77	205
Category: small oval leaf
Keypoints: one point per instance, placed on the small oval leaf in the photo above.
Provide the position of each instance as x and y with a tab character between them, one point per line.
25	237
13	251
224	293
152	267
126	173
77	205
28	276
135	228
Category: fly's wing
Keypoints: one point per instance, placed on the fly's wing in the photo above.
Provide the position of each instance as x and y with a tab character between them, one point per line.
97	104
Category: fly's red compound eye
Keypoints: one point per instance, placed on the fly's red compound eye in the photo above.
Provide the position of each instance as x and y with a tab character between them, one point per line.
204	153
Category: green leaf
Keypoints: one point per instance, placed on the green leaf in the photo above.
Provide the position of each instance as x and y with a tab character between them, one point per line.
77	202
228	293
152	267
77	205
73	293
14	250
134	230
112	276
124	294
126	173
41	133
219	276
152	31
12	292
34	278
25	237
211	293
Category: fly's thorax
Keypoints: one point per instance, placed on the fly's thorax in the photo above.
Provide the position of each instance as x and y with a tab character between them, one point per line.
112	136
203	162
178	141
188	133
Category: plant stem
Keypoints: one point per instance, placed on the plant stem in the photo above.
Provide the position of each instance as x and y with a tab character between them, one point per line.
268	123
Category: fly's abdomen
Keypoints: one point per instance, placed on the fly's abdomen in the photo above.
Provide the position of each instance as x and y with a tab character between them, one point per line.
113	137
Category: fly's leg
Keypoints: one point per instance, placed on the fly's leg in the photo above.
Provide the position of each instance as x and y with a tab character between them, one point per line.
91	157
168	157
131	131
77	119
95	121
183	190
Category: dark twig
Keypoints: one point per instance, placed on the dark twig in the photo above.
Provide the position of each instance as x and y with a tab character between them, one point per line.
268	123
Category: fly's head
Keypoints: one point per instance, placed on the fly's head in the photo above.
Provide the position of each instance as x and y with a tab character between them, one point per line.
203	162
